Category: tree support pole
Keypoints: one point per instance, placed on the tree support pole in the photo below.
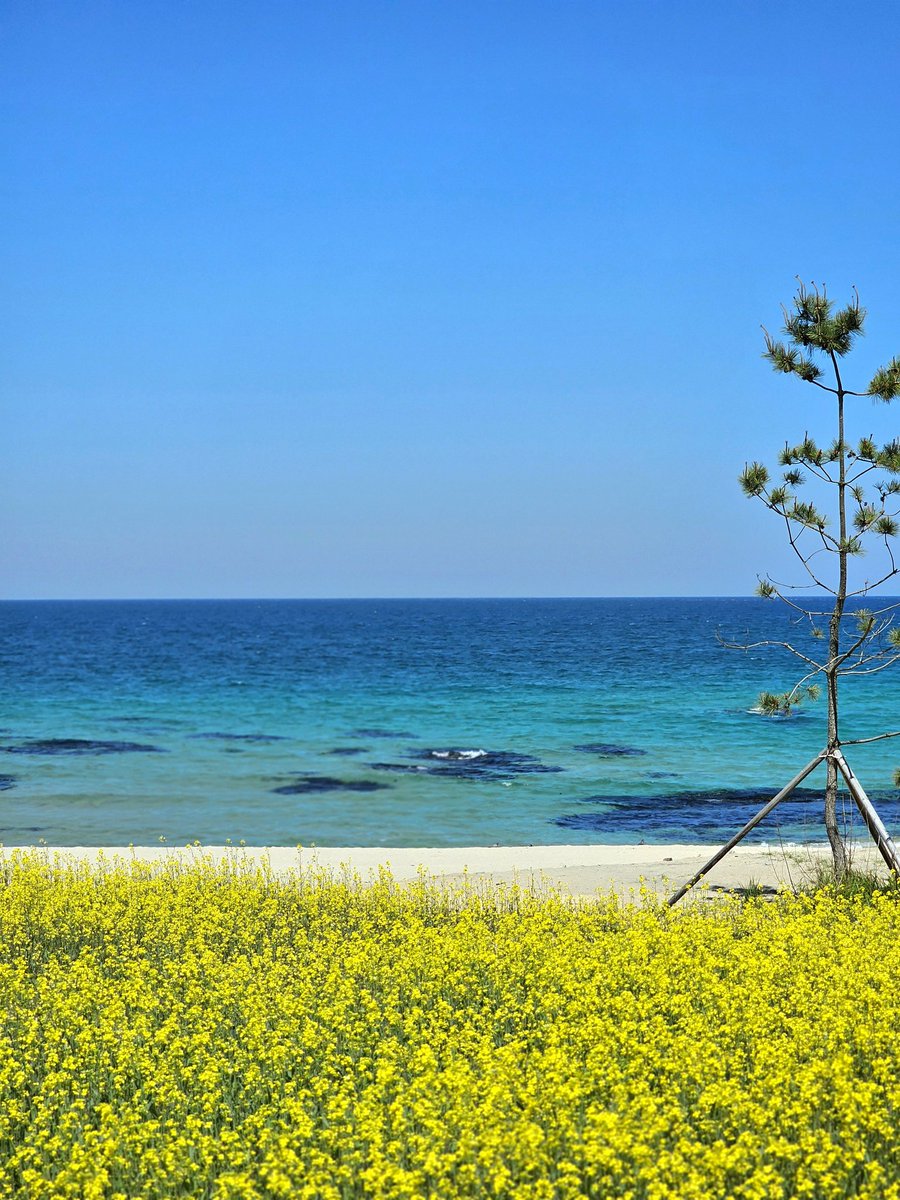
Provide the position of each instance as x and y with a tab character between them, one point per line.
874	824
751	824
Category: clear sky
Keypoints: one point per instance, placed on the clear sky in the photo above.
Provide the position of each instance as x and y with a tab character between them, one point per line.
410	298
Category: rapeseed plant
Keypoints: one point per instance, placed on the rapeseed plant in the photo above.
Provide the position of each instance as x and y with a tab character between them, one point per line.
201	1030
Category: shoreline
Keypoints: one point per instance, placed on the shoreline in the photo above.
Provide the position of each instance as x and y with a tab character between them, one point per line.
580	871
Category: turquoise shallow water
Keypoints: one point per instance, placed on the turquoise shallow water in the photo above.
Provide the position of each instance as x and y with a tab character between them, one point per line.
408	722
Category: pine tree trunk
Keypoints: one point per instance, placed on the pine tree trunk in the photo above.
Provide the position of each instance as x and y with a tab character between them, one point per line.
838	849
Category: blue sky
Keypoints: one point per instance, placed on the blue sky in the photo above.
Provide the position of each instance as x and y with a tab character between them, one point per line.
423	299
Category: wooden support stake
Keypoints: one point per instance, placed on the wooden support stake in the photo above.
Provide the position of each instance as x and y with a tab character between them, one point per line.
751	824
874	824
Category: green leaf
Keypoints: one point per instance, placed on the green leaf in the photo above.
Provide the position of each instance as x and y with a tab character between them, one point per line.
753	479
885	383
886	526
846	325
812	324
807	370
889	457
806	514
774	704
809	450
864	516
781	358
765	590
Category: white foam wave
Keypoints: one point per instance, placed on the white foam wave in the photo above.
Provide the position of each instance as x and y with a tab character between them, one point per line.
460	755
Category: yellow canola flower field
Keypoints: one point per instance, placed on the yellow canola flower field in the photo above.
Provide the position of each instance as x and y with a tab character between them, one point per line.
214	1031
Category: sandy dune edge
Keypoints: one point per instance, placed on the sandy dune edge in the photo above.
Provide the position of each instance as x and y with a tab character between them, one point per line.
577	870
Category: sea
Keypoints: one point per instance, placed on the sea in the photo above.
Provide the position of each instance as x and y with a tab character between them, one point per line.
415	723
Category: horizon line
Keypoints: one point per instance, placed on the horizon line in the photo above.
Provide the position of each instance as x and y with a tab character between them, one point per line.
374	599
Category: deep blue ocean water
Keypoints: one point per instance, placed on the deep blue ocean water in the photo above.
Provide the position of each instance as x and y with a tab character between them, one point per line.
437	722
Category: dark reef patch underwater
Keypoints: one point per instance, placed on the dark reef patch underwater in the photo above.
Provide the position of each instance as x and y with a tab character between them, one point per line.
311	784
261	739
386	734
607	750
476	766
47	746
714	814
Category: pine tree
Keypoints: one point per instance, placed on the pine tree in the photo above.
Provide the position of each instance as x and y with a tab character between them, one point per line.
860	484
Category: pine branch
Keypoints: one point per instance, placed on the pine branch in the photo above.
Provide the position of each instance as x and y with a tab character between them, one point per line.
767	642
879	737
885	383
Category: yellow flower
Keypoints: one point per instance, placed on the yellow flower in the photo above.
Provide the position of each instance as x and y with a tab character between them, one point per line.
193	1029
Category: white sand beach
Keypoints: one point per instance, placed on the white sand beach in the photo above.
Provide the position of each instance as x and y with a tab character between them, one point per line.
579	871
